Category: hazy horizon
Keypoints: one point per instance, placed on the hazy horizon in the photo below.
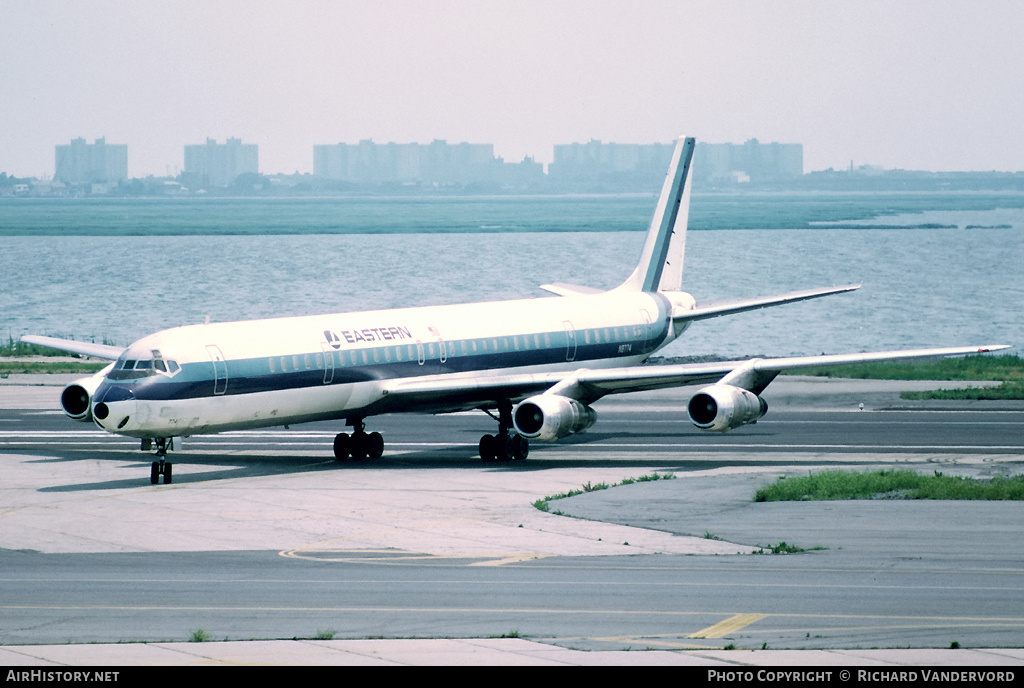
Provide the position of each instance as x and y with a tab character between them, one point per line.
912	85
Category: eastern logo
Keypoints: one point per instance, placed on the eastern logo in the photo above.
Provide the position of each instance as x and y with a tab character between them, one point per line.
368	334
332	339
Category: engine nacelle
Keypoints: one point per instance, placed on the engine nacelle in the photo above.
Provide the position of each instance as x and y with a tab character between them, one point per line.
76	399
723	407
549	417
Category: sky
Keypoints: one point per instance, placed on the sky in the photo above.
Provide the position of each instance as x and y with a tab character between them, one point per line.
902	84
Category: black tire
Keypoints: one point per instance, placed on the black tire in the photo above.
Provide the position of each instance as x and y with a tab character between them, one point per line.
359	445
342	446
375	445
505	448
154	473
488	448
520	447
167	473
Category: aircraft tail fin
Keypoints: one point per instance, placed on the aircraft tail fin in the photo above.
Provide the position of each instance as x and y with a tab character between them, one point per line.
661	262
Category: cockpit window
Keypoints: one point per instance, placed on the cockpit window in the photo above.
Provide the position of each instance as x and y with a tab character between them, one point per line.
136	368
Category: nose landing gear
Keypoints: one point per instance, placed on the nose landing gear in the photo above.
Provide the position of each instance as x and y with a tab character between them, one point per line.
161	466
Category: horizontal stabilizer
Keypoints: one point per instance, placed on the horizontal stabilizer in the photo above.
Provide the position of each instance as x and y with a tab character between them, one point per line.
110	353
715	310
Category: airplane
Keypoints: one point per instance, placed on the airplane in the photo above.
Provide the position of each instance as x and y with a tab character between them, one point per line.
535	365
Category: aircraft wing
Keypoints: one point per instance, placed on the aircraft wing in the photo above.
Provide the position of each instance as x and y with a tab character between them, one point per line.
753	374
715	310
105	351
564	289
444	393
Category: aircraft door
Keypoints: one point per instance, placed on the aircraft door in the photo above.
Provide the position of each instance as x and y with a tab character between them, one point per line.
328	362
570	341
220	369
645	320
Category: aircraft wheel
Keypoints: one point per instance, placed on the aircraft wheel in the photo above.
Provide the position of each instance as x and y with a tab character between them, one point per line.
359	446
342	446
375	445
154	473
167	474
520	447
506	448
488	448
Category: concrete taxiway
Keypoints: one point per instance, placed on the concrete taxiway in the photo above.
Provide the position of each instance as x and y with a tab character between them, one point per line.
71	491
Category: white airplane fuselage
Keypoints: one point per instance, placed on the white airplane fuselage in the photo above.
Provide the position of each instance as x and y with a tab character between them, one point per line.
226	376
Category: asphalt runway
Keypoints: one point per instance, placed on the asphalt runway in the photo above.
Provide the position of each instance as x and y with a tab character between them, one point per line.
263	535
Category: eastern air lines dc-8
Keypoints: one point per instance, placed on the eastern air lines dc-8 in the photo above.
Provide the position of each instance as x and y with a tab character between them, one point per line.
539	363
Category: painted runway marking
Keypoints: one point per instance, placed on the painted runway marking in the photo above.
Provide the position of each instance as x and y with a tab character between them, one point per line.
730	625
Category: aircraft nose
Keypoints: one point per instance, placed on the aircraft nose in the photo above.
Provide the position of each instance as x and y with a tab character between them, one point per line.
113	407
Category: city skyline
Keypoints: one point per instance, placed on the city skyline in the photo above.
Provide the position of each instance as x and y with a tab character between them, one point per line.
214	164
912	85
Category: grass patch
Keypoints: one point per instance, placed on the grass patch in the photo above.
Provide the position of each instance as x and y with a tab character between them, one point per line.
10	366
886	484
48	367
979	367
1008	369
1005	392
18	348
544	505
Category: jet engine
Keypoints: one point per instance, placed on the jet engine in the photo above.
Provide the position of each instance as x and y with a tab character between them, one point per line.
549	417
723	407
76	399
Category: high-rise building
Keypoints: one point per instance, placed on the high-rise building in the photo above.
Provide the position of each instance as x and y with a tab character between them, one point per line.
752	161
96	163
219	164
438	162
610	162
644	164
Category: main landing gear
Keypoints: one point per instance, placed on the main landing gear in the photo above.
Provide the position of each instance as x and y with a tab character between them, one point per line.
360	444
504	446
161	466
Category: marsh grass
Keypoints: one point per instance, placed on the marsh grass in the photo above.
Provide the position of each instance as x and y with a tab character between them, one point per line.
1008	369
884	484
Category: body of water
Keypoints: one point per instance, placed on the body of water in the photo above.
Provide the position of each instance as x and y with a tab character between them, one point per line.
930	282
